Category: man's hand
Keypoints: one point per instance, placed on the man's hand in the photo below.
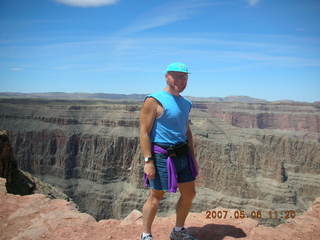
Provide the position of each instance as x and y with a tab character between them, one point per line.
150	170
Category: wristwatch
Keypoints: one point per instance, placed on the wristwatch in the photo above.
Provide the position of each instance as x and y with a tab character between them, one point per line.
147	159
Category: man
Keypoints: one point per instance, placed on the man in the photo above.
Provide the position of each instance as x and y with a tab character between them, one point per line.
167	146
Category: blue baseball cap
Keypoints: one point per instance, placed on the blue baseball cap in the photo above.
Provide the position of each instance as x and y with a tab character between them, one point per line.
177	67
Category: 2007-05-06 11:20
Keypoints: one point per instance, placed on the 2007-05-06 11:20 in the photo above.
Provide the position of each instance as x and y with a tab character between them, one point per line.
239	214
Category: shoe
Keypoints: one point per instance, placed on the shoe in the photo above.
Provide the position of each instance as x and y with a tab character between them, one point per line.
181	235
147	237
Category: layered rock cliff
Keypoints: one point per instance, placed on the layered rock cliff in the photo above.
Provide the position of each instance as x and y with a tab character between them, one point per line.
19	181
295	116
90	149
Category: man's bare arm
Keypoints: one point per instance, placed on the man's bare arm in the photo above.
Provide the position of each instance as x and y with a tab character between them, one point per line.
147	117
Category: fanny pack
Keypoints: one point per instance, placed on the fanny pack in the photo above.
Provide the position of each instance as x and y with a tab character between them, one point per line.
176	150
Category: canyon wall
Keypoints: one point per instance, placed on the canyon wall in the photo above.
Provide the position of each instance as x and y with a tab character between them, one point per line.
293	116
90	150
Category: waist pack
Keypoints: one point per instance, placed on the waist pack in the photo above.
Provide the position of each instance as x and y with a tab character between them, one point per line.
176	150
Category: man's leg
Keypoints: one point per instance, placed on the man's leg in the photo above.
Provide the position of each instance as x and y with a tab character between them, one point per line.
188	192
150	208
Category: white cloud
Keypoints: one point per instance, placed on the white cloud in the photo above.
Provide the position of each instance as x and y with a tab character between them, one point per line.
217	52
253	2
168	13
87	3
16	69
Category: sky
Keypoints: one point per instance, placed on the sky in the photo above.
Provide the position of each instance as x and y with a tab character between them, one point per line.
268	49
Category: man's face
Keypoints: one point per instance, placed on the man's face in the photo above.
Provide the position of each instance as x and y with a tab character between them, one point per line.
177	80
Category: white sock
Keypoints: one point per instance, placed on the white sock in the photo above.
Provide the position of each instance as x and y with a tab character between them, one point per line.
145	234
177	229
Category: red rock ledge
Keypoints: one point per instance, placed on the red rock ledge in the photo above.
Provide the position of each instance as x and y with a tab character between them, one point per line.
38	217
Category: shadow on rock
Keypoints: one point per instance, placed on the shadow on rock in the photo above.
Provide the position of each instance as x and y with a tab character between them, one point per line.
216	232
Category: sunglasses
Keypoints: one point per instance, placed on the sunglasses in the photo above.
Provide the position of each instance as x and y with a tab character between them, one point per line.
179	75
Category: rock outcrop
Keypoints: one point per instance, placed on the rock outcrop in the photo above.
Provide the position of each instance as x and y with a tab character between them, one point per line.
19	181
35	217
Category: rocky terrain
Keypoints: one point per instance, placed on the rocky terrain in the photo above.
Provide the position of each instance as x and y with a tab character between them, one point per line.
248	159
35	216
19	181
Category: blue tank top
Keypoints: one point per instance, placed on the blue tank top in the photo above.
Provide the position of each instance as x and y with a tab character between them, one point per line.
171	127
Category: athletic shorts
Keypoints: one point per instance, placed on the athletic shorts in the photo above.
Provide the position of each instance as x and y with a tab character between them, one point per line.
181	163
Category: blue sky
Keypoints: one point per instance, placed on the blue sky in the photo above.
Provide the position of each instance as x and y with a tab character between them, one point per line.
260	48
